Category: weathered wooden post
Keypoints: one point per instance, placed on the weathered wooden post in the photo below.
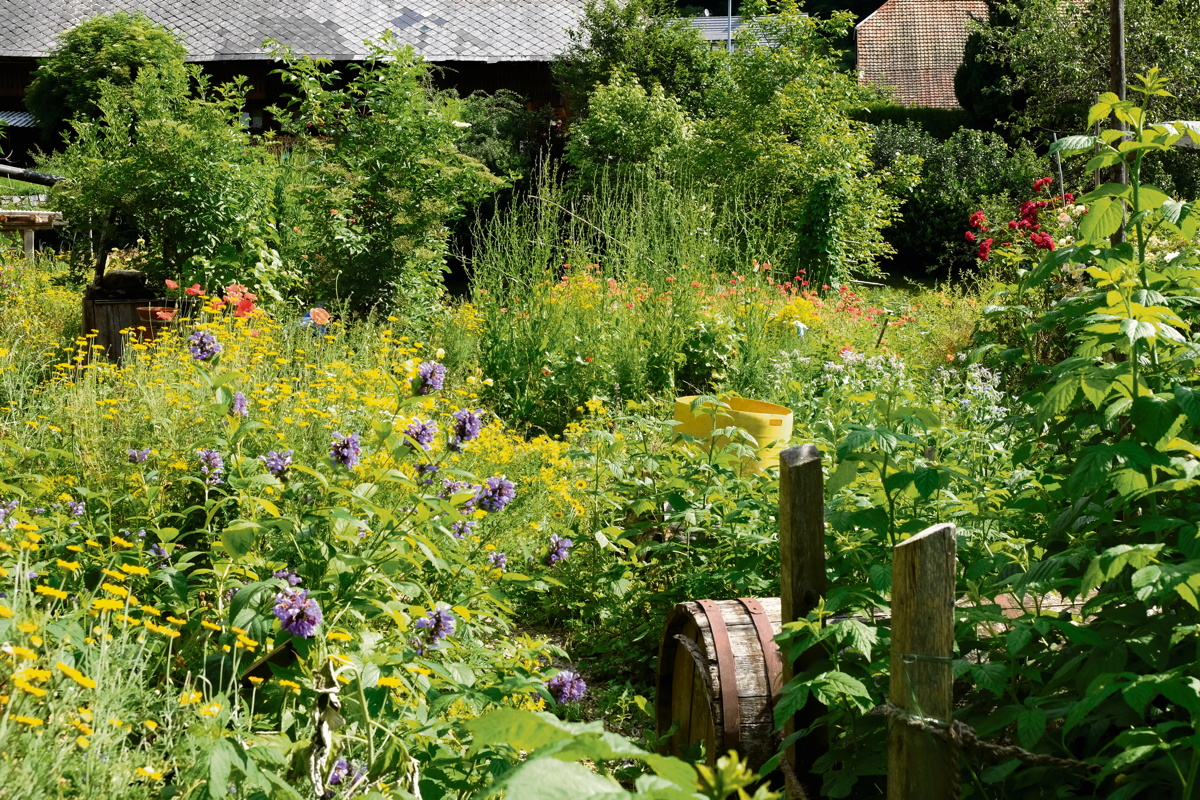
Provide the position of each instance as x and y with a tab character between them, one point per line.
922	764
803	583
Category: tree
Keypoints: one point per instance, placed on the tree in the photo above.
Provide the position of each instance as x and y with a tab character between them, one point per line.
1053	57
643	40
105	48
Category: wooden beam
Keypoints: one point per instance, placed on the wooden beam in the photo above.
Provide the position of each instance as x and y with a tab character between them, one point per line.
921	764
803	581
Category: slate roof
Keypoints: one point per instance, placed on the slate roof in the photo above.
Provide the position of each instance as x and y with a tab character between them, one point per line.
715	29
915	47
233	30
17	119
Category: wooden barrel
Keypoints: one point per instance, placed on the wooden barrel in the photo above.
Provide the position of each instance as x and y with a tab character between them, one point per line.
719	671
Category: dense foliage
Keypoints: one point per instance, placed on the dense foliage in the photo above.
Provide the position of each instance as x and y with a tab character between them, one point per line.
101	49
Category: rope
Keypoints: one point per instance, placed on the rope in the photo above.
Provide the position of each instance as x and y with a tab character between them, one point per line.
961	735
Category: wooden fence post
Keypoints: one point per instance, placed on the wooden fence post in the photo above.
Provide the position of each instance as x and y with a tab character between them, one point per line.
921	764
803	584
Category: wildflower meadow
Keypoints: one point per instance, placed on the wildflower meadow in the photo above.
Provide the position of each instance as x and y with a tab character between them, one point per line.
328	529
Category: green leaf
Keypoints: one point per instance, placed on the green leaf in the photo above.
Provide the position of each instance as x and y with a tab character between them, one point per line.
1189	403
1031	725
926	480
990	677
524	730
1107	190
221	758
1073	144
1150	198
1060	398
551	779
238	540
1104	218
843	476
832	687
1135	329
1156	419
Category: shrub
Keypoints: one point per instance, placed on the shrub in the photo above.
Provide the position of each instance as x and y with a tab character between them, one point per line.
103	49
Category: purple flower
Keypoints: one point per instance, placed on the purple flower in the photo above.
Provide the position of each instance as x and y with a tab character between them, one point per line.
278	463
426	472
452	487
498	493
566	687
436	625
498	560
158	551
467	426
204	345
76	507
298	613
138	456
422	432
240	407
432	376
212	465
461	529
559	548
346	450
341	769
6	510
287	575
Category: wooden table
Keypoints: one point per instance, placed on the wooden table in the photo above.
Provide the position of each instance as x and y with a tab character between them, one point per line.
27	221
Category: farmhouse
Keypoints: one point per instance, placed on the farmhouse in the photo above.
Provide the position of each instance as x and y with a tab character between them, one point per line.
914	47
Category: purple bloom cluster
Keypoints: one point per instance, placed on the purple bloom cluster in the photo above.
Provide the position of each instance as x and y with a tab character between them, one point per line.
278	463
426	472
498	560
298	613
287	575
422	431
240	407
341	775
212	465
566	687
467	426
436	625
204	345
463	528
452	487
346	450
498	493
559	549
6	510
432	376
159	552
76	507
138	456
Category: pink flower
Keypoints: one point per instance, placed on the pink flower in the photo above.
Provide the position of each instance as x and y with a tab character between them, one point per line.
985	249
970	237
194	289
1042	183
977	220
171	284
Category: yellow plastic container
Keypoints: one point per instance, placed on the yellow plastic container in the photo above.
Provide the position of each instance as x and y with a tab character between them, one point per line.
769	424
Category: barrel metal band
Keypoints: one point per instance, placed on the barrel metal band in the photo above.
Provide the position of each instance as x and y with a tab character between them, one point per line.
772	661
731	722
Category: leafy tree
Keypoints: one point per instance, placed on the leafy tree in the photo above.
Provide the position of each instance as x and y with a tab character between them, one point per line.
1052	57
106	48
644	40
176	167
377	177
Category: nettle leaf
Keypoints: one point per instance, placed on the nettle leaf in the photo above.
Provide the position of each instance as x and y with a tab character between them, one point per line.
1091	469
1113	561
1135	329
1060	398
1071	144
927	480
1189	403
832	687
1157	419
991	677
1182	216
1096	385
1031	725
1104	218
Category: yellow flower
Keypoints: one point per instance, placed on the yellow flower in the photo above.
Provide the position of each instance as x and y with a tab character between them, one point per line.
112	573
168	632
74	548
211	709
211	626
119	542
245	641
254	679
151	724
82	727
29	688
106	604
295	687
149	772
187	698
5	612
92	543
112	588
76	675
339	636
150	610
24	652
50	591
391	682
82	742
176	621
134	569
32	722
69	565
26	627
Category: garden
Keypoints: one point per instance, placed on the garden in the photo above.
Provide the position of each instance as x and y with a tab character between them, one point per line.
328	529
